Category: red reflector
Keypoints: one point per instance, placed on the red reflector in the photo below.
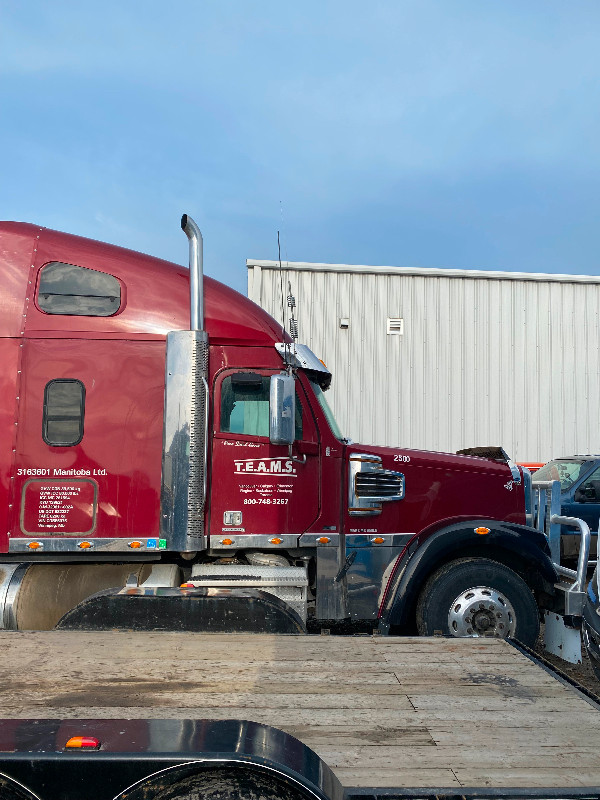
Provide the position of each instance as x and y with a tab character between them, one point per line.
88	742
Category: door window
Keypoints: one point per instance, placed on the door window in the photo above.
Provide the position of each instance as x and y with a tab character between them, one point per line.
245	405
589	491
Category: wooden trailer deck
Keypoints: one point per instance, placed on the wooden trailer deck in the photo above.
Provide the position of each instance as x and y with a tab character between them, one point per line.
385	712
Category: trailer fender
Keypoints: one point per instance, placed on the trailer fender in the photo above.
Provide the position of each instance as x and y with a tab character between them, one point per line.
159	759
518	547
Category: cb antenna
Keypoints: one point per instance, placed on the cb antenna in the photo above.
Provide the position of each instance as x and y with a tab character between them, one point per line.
291	303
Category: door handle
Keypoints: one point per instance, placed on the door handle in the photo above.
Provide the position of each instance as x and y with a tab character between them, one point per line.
307	448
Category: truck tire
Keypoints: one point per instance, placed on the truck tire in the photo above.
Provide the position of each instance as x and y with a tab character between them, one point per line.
11	791
227	785
475	597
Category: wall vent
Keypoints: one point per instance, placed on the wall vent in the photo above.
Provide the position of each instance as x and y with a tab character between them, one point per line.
395	326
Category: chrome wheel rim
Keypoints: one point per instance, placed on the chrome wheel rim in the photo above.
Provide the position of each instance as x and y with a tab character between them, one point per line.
482	611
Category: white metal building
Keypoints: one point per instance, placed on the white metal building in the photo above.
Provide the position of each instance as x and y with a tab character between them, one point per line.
443	359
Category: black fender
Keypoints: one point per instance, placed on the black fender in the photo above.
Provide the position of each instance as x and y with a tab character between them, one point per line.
519	547
187	609
137	758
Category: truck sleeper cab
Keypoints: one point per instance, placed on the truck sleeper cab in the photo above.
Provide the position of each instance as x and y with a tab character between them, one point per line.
148	444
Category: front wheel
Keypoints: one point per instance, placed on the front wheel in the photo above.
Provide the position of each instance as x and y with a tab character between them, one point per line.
476	597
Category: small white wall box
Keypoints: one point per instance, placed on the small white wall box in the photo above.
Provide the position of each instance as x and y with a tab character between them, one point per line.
395	326
344	322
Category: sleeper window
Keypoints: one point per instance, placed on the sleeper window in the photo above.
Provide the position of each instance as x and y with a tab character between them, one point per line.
64	403
67	289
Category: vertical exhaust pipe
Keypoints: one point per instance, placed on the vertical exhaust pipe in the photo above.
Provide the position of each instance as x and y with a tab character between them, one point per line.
185	435
192	231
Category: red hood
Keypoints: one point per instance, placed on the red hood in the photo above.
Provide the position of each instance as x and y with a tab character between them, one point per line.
441	488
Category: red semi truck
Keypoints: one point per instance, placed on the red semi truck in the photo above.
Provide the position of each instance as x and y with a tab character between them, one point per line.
172	463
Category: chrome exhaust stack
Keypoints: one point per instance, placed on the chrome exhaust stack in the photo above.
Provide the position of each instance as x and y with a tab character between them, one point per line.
192	231
183	495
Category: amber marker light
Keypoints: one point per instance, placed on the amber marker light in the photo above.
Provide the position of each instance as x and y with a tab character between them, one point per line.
83	743
85	545
226	541
135	545
323	540
482	531
35	545
378	540
276	540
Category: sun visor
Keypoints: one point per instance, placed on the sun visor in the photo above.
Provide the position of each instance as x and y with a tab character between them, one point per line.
301	356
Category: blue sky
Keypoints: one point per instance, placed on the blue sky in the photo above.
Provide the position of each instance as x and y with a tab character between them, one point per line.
429	133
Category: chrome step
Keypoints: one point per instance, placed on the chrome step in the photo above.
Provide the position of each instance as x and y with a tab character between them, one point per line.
290	584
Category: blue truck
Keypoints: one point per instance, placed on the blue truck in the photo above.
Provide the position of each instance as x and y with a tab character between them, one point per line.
579	478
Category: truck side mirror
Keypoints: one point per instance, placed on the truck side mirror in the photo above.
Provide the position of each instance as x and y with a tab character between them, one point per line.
282	409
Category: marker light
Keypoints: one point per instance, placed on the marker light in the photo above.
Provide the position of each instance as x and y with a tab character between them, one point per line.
83	742
275	540
135	545
323	540
226	541
35	545
482	531
85	545
378	540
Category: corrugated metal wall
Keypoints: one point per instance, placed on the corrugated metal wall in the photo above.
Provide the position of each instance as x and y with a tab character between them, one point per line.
485	358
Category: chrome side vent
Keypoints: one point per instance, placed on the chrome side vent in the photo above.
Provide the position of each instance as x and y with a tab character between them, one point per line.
381	485
370	485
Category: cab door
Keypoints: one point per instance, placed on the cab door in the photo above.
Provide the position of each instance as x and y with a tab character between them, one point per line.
583	501
257	489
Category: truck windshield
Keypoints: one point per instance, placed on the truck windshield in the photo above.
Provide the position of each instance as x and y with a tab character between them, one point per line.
327	411
565	471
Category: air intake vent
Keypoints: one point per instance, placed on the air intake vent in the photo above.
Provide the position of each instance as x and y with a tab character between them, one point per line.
395	325
370	485
379	485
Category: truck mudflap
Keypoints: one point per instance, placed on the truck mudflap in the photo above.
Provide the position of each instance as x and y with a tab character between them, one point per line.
157	759
202	610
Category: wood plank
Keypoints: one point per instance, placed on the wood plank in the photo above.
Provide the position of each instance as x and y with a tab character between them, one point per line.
459	707
458	757
343	736
124	696
389	777
567	777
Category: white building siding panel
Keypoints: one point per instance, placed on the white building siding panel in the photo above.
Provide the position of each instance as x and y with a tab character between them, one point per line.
484	359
